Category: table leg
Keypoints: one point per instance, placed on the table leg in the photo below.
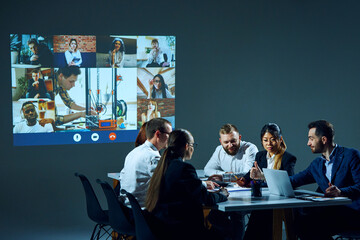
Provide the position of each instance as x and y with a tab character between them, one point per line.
289	224
115	234
277	224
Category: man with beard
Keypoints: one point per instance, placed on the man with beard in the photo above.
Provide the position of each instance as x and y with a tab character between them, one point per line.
232	156
32	125
337	172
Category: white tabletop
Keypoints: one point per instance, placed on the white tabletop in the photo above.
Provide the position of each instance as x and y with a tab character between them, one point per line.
242	200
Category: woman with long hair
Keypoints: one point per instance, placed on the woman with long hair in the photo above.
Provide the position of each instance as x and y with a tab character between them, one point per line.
73	55
141	137
151	112
158	88
176	195
274	156
155	57
117	53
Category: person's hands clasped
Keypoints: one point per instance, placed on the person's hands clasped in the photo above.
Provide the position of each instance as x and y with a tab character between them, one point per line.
256	173
332	191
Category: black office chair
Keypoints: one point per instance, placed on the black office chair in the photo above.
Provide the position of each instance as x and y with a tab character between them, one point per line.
351	235
143	231
94	211
120	217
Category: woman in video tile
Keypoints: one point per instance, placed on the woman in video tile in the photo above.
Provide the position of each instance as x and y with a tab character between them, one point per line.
73	55
117	53
156	57
158	88
152	112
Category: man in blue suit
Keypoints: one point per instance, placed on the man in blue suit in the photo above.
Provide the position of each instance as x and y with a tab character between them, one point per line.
337	172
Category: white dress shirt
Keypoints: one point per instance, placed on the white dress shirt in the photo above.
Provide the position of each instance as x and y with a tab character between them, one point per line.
139	167
240	164
270	160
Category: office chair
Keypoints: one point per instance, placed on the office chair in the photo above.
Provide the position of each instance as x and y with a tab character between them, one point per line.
143	231
119	214
94	211
352	235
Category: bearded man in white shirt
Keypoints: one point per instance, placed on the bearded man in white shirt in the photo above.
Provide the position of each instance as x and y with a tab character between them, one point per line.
141	162
232	156
236	157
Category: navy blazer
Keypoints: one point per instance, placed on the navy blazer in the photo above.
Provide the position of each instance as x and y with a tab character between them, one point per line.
287	163
345	174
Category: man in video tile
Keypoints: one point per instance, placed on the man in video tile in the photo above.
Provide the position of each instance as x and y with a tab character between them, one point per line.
65	79
41	54
31	124
36	86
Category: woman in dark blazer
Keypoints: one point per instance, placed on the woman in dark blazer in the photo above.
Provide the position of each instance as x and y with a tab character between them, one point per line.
274	156
176	195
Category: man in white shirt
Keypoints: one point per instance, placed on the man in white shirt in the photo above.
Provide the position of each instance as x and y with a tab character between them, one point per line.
141	162
232	156
31	125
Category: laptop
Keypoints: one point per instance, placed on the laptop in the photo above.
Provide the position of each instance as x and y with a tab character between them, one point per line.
278	182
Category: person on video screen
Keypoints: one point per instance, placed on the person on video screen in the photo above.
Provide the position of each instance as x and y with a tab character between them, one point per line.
36	86
158	88
31	124
117	53
156	57
65	79
151	113
73	55
41	54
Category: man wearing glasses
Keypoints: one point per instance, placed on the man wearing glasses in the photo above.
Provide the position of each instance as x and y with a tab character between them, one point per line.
141	162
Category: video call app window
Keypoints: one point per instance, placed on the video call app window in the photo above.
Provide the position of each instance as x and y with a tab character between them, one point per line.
77	89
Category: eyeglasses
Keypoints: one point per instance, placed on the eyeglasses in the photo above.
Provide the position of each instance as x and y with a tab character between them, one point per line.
194	145
165	132
156	81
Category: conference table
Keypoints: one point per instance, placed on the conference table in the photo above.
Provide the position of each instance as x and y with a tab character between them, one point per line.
240	199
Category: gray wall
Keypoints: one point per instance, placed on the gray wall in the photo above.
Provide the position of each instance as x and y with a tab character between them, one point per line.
244	62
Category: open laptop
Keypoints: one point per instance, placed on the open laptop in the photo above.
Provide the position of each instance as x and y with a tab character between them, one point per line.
278	182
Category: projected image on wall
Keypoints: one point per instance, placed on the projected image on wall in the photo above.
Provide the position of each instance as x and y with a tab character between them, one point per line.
77	89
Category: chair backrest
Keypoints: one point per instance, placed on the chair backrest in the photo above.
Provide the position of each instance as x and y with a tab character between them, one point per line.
143	231
94	210
119	218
